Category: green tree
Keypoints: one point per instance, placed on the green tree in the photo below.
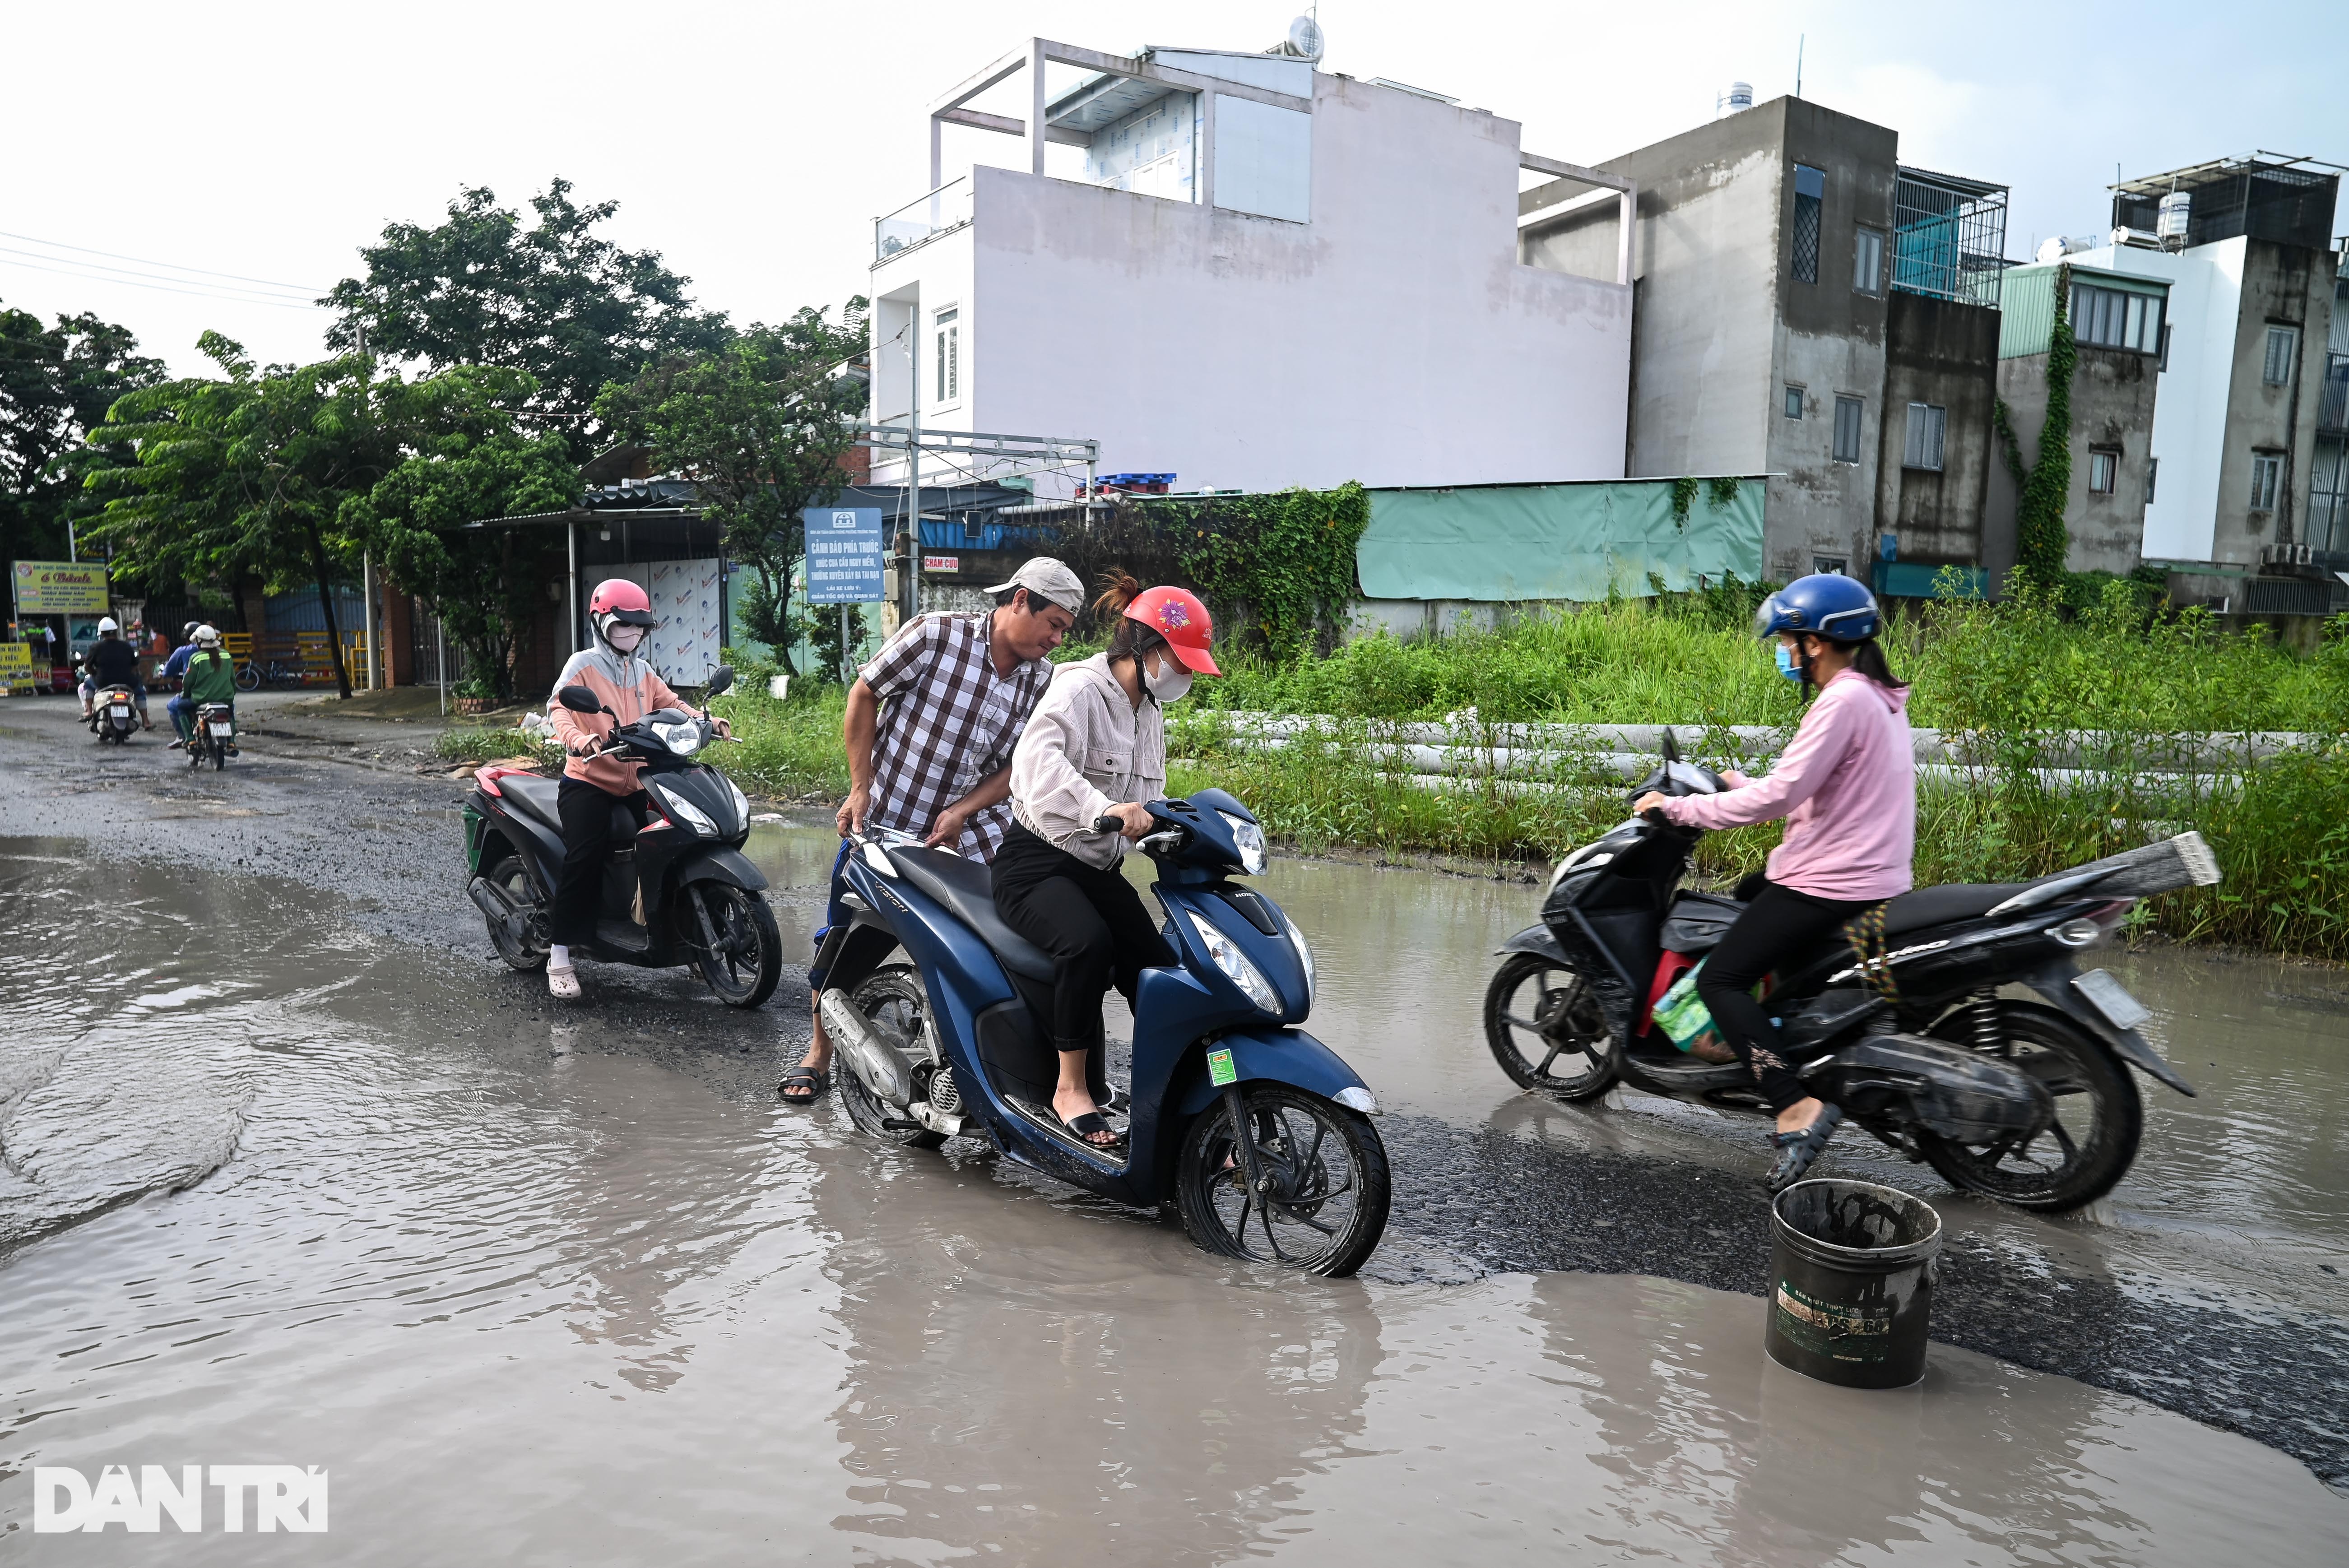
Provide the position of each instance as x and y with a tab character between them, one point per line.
244	473
758	428
2043	543
55	385
467	459
570	309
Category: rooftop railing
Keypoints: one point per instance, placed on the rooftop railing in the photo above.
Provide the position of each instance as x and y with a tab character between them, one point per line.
922	219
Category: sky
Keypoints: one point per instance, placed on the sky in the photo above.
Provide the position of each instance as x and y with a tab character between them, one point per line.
218	165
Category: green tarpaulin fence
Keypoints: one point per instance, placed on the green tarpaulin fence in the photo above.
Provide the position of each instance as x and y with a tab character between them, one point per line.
1556	542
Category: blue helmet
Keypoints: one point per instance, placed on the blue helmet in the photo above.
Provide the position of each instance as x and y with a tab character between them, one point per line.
1824	604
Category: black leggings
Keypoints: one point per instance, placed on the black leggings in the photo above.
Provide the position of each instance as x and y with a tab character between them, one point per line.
1090	919
1779	923
586	814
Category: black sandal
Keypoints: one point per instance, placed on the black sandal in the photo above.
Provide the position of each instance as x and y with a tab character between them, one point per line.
817	1079
1797	1150
1093	1121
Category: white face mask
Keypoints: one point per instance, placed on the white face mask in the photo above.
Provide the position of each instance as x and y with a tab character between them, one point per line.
623	638
1168	681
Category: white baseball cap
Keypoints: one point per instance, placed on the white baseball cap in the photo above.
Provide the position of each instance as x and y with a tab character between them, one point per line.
1046	578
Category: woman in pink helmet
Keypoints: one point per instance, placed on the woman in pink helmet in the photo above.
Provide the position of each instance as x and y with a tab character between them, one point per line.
1096	748
630	688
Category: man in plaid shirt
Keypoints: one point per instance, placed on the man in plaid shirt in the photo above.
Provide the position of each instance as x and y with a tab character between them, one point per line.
930	727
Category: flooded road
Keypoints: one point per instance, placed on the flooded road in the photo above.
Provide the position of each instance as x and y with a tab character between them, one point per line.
291	1170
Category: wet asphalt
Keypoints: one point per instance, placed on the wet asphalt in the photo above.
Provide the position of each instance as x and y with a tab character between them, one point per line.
357	810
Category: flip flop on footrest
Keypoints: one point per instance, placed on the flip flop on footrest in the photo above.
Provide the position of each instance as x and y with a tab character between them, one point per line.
1093	1121
1797	1150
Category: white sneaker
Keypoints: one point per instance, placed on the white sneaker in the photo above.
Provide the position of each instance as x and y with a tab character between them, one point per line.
562	982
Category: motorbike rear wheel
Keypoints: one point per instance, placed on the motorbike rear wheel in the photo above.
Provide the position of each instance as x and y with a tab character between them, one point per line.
894	1003
508	875
749	960
2098	1115
1539	1015
1326	1206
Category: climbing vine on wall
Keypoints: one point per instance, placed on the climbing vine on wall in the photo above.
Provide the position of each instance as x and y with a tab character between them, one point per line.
1276	570
1720	490
2043	543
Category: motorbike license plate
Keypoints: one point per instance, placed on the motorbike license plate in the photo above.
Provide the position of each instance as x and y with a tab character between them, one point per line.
119	712
2111	998
223	729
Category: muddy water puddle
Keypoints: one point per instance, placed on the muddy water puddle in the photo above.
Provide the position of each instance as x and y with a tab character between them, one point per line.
569	1288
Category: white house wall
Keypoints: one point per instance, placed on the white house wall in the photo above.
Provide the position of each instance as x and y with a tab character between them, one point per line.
2189	410
1394	339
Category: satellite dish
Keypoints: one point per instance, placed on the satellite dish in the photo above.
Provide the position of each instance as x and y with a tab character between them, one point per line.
1304	39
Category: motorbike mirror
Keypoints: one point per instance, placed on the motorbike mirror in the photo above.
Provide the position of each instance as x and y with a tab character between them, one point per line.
1672	786
579	699
721	681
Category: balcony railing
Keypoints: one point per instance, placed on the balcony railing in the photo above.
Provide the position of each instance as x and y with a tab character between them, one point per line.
922	219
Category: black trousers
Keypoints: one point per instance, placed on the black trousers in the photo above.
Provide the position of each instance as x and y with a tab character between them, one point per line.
586	814
1778	924
1091	921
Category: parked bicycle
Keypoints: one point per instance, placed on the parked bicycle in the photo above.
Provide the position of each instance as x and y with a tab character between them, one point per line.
261	670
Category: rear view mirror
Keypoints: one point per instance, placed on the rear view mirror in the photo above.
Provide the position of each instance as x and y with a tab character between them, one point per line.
721	681
579	699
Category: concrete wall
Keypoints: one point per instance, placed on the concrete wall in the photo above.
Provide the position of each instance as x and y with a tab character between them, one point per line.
1395	339
1723	327
2282	284
1945	353
2113	405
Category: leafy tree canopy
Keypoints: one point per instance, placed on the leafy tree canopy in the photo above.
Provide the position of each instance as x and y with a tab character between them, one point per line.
555	300
758	428
55	385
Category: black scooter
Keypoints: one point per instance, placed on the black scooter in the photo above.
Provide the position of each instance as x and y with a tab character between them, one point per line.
1902	1025
678	889
112	716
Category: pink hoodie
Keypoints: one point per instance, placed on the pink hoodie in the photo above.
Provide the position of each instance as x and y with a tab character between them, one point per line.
1848	789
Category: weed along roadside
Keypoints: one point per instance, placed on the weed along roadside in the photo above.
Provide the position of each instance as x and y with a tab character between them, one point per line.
2060	736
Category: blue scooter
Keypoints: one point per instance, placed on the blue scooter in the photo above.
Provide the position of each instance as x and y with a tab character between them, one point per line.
1256	1133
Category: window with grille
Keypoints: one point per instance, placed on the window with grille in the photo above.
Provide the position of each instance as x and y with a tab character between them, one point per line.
2267	470
1928	423
1867	262
2114	318
1832	565
2283	343
1794	402
948	358
2152	472
1847	430
1810	189
2103	470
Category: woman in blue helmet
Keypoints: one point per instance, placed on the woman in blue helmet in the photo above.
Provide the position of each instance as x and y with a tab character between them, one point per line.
1846	786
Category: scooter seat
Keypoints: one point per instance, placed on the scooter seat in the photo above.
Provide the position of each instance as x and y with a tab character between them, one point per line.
534	796
965	888
1941	905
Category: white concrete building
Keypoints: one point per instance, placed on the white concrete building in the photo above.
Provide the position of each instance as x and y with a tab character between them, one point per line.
1262	276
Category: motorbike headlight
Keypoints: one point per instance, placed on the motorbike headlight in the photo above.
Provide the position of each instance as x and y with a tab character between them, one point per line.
1227	956
741	803
1304	957
682	809
684	739
1250	840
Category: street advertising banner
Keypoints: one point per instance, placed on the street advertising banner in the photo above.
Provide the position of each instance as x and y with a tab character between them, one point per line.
59	587
843	554
16	667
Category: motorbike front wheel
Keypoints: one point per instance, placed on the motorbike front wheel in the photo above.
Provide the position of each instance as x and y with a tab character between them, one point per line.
1319	1202
747	960
1544	1026
2093	1140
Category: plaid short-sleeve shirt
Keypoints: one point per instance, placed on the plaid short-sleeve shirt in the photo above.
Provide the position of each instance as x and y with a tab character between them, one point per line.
947	720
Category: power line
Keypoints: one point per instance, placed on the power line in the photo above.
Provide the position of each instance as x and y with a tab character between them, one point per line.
167	266
160	288
101	271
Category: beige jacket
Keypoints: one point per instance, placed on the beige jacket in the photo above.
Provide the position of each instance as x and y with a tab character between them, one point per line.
1087	748
631	689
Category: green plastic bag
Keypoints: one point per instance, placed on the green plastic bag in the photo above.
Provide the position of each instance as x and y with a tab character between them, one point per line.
1682	1015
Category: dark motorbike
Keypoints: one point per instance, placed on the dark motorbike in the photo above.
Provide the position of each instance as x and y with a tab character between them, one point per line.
112	716
1256	1133
1903	1025
212	737
678	889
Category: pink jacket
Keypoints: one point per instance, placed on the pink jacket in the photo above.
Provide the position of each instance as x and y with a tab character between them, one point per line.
1848	789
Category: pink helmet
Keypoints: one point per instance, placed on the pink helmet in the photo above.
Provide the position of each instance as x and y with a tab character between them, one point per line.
622	601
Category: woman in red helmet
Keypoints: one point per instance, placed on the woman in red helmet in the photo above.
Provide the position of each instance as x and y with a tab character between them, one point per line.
1096	748
629	688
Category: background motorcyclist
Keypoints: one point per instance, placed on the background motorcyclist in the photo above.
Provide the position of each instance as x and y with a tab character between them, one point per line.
1846	785
621	616
209	675
112	661
176	666
1096	748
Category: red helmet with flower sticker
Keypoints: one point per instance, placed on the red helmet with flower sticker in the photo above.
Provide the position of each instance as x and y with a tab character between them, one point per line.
1177	614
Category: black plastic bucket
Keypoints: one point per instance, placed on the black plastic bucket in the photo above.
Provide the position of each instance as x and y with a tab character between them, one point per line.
1852	1267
